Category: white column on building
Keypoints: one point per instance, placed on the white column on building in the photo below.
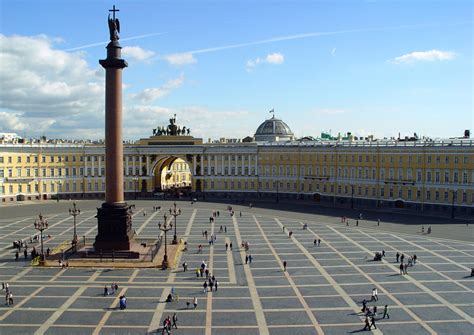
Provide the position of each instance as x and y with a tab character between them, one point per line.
250	164
92	166
256	165
133	165
99	158
215	165
243	165
236	164
126	165
230	165
194	164
208	164
222	164
85	165
148	172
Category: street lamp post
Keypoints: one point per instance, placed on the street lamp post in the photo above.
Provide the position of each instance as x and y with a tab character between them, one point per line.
175	212
40	225
74	212
165	228
452	204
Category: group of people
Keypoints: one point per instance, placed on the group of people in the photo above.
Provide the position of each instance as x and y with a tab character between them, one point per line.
371	314
112	290
8	294
404	266
169	323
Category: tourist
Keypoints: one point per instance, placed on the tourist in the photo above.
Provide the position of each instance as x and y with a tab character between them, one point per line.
225	229
106	291
167	325
414	259
372	322
205	286
175	320
397	256
246	259
25	253
319	242
215	285
284	265
226	246
405	268
385	312
401	268
315	242
123	302
378	222
402	257
429	230
357	223
16	255
230	245
375	296
185	267
250	259
10	299
195	302
367	323
364	305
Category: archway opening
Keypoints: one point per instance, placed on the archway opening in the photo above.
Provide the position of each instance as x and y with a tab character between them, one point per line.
173	177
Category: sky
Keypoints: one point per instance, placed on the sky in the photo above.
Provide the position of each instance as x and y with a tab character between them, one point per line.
368	67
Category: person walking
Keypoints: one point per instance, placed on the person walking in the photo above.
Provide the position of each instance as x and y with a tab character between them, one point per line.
284	266
397	256
215	285
106	291
401	268
414	259
375	296
195	302
250	259
315	242
372	322
230	245
378	222
385	312
319	242
246	259
402	257
226	246
175	320
205	286
367	323
405	268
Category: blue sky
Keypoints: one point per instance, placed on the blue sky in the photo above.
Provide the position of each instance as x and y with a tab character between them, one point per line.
370	67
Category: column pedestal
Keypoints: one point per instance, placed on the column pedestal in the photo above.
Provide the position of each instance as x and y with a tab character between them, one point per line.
114	227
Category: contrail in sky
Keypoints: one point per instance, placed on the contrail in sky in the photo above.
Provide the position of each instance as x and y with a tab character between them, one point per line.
312	34
123	39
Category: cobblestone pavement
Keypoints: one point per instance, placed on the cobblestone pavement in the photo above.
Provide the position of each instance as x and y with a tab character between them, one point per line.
321	291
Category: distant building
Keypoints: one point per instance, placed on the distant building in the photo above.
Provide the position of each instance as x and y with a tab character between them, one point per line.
422	174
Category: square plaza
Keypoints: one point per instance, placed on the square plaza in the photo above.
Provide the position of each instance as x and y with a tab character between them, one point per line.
321	291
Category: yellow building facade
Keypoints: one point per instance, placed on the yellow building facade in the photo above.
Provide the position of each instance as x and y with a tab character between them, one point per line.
420	174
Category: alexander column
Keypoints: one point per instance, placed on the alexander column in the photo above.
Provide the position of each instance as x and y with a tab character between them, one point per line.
114	217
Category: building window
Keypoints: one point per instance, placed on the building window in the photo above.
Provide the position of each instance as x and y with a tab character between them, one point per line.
464	197
428	176
455	177
446	160
18	172
428	195
409	194
437	176
446	196
382	192
418	194
2	173
446	176
437	195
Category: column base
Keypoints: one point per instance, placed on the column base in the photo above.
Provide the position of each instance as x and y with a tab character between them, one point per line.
115	227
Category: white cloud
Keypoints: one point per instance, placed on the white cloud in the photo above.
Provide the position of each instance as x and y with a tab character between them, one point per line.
137	53
333	52
150	94
180	59
43	86
430	55
273	58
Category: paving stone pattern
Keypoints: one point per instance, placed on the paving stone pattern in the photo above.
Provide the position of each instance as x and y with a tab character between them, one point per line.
321	291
